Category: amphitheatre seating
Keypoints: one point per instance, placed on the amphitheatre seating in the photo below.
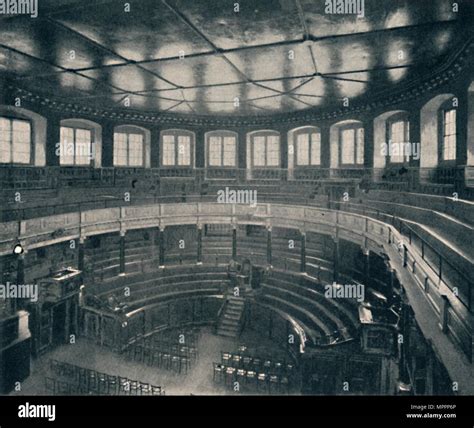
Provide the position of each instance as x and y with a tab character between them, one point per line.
325	321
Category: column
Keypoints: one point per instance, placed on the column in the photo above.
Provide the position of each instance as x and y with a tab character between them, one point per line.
161	242
234	242
122	252
108	144
335	258
199	244
53	138
366	255
303	252
80	253
269	245
154	147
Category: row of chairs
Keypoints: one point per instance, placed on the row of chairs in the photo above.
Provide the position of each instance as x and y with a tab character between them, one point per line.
157	358
250	380
179	350
92	382
248	362
177	336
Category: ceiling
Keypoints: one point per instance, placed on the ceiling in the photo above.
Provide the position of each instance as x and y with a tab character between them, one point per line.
201	57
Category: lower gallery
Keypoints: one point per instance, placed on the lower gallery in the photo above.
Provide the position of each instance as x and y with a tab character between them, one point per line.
237	198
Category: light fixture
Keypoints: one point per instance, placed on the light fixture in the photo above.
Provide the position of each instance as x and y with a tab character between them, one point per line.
18	249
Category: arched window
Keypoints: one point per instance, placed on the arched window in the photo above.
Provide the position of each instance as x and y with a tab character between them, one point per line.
77	139
221	149
307	146
265	149
177	148
15	140
129	146
398	132
448	133
351	143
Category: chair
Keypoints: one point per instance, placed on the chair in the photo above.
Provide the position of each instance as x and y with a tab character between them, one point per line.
267	365
134	387
261	380
176	364
112	382
256	364
102	384
284	384
50	385
92	382
246	361
236	360
241	376
273	383
226	358
229	375
166	361
155	390
124	385
218	372
185	365
251	377
144	388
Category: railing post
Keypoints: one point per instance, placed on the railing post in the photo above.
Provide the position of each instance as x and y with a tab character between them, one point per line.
405	256
443	314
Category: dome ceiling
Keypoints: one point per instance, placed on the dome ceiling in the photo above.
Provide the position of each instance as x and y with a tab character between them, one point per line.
202	57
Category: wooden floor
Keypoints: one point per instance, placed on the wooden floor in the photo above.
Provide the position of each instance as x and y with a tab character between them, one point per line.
197	382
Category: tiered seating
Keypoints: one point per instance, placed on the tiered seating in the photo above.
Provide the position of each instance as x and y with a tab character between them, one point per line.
325	321
69	379
166	284
254	373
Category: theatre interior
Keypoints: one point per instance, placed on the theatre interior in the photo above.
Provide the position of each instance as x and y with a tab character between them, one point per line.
251	197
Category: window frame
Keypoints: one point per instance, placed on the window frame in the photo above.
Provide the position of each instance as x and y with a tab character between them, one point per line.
309	130
176	133
222	134
446	107
128	131
355	127
266	134
399	117
76	128
12	118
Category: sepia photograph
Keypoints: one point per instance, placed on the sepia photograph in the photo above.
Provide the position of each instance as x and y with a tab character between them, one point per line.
241	201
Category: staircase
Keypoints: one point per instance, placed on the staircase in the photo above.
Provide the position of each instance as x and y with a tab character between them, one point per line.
230	321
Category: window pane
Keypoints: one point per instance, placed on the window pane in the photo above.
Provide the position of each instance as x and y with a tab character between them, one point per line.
347	153
397	139
215	151
135	149
184	150
273	150
5	140
83	146
316	149
168	150
360	147
302	149
229	151
259	151
449	135
120	149
67	146
21	141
